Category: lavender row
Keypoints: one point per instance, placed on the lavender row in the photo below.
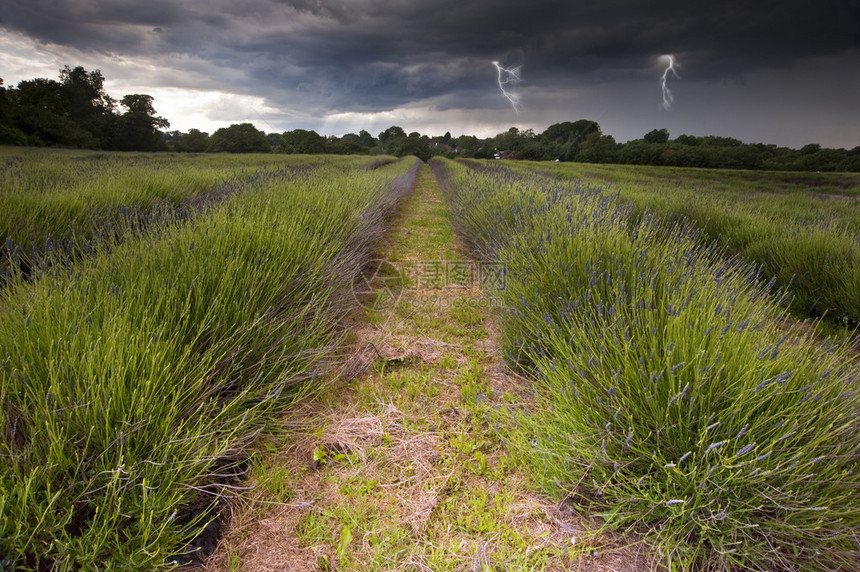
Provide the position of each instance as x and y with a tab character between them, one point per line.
672	393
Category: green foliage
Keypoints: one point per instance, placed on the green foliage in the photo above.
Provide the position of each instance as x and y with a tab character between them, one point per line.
77	112
803	231
239	138
562	140
195	141
670	392
657	136
132	385
138	128
302	141
597	148
12	136
62	204
395	141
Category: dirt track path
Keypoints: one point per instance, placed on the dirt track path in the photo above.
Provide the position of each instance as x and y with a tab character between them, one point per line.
396	465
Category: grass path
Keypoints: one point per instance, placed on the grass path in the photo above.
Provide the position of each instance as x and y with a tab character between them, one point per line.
396	466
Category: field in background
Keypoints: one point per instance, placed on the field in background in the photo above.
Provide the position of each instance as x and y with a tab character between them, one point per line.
802	228
60	204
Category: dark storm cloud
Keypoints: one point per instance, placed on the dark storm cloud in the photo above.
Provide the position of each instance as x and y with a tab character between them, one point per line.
338	39
372	55
557	40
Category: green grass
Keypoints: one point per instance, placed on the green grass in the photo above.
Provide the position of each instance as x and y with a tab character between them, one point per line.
413	471
804	230
132	385
65	203
671	397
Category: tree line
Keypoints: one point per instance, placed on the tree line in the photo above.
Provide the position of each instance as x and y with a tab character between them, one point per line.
76	112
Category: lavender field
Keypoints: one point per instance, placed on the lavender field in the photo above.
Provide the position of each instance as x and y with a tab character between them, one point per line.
675	393
135	375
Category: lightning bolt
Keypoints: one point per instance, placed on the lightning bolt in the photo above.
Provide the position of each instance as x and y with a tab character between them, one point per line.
667	94
508	76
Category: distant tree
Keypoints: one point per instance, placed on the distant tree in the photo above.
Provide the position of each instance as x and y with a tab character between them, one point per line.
392	132
562	140
9	134
195	141
685	155
349	144
138	127
85	102
274	140
689	140
413	144
72	112
638	152
510	140
533	151
365	139
470	147
39	112
302	141
657	136
238	138
717	141
558	133
392	138
597	148
40	93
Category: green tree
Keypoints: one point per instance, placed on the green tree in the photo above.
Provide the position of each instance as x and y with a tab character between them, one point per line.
657	136
9	134
597	148
195	141
138	128
365	139
470	146
85	102
302	141
73	112
274	140
349	144
391	138
413	144
532	151
688	140
39	113
562	140
239	138
638	152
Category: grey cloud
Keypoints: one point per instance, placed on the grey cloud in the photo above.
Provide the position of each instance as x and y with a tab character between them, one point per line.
375	55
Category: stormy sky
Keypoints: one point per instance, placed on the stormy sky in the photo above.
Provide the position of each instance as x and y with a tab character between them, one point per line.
784	72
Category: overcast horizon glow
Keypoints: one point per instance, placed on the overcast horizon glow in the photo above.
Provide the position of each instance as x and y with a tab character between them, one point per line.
785	73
